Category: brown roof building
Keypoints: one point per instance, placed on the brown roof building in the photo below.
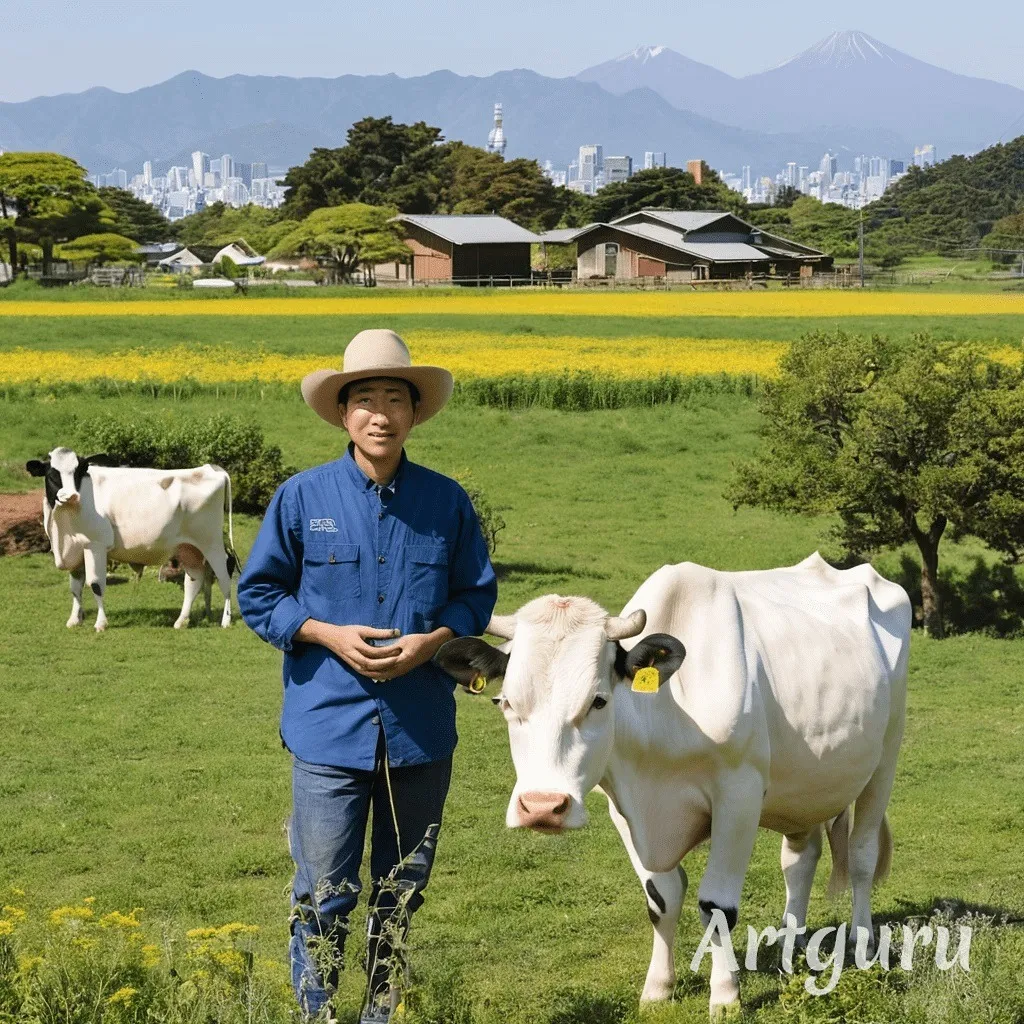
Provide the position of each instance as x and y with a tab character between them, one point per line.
685	245
467	248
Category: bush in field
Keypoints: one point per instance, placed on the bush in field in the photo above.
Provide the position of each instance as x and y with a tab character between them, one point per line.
76	965
492	522
235	444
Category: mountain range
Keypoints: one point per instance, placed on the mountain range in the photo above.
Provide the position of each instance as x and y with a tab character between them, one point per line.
847	93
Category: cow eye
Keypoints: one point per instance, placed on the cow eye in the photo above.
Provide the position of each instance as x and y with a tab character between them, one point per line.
599	702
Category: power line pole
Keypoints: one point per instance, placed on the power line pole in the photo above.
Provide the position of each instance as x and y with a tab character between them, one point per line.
860	239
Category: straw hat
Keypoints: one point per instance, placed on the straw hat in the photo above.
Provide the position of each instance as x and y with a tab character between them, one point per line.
377	353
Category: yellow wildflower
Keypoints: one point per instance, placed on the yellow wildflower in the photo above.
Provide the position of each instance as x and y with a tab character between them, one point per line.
27	964
89	899
14	913
115	919
6	928
150	956
66	915
123	996
17	892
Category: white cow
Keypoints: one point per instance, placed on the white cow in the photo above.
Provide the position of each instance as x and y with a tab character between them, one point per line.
785	707
93	511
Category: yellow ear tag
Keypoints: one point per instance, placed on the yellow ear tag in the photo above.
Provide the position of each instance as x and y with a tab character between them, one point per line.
646	680
478	685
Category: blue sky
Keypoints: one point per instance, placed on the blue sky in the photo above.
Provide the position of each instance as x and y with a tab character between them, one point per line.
50	46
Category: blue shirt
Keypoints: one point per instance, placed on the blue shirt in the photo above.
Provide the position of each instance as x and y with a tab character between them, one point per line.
335	547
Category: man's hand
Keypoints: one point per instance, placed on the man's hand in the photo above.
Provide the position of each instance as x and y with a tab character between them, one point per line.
416	649
349	644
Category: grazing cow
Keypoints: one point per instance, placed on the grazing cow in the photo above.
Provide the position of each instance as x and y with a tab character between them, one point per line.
785	707
93	511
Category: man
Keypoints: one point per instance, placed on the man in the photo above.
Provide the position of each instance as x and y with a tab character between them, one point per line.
362	568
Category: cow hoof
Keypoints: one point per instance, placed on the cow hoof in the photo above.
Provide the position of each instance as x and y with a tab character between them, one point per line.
225	623
72	622
180	623
101	627
657	993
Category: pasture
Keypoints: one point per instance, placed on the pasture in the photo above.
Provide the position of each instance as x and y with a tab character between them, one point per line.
142	767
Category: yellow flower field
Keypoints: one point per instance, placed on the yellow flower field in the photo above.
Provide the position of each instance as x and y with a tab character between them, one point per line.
794	303
467	355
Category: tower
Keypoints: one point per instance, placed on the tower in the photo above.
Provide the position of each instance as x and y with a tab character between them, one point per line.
496	140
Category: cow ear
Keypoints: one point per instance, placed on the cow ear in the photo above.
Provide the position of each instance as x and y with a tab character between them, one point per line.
659	650
37	468
468	659
101	460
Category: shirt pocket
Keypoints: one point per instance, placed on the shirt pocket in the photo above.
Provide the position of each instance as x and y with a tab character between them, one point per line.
428	574
331	570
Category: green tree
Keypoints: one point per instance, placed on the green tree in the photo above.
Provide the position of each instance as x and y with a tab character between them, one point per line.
667	188
826	226
345	238
45	199
900	442
219	224
134	218
1006	239
102	248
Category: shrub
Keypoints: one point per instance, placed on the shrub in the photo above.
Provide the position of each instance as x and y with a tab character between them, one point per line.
491	520
236	445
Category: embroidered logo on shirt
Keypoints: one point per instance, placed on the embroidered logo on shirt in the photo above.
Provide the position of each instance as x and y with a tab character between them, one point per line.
323	526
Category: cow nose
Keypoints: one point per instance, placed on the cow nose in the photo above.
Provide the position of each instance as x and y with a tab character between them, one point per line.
545	812
68	497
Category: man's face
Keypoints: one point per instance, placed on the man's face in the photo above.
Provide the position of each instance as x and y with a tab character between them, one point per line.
378	416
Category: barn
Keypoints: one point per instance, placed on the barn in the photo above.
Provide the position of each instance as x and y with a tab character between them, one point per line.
686	245
467	248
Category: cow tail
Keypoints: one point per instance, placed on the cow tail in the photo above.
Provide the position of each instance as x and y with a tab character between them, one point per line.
232	554
838	832
884	862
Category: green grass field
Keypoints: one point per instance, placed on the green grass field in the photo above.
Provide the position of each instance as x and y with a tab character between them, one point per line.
142	767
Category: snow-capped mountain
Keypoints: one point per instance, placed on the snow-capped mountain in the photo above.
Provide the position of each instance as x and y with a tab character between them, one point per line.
849	82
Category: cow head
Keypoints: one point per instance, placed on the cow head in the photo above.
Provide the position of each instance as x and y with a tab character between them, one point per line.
564	671
64	472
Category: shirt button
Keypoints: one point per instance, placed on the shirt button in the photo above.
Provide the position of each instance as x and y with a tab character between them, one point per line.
382	559
380	599
375	720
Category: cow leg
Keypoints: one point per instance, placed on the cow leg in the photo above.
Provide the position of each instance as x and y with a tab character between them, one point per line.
96	577
735	813
800	853
77	579
207	590
191	585
218	560
664	893
870	845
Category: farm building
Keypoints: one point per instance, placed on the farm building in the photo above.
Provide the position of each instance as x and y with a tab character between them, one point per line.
685	246
465	247
195	256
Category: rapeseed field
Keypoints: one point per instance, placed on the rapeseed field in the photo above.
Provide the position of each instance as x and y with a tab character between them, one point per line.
796	303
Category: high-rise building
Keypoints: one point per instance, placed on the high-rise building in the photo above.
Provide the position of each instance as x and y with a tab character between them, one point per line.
225	168
200	165
147	173
496	140
828	166
696	169
895	167
177	179
745	177
259	170
652	160
243	171
791	178
801	177
591	162
617	168
924	156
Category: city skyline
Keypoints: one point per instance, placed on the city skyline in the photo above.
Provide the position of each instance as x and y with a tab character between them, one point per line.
734	39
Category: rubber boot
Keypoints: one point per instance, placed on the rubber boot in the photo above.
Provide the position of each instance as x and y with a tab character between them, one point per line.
386	970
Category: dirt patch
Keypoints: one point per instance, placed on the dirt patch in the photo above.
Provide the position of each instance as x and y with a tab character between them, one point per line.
21	523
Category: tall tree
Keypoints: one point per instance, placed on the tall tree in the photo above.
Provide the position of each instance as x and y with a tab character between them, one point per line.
45	199
668	188
134	218
345	238
902	443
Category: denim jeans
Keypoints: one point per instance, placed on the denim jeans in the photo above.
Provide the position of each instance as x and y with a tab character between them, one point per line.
327	831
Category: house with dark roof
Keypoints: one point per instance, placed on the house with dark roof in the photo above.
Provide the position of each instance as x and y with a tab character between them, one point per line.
472	248
685	245
191	258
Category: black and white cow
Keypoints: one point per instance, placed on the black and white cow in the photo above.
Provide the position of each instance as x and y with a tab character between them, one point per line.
784	708
93	511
